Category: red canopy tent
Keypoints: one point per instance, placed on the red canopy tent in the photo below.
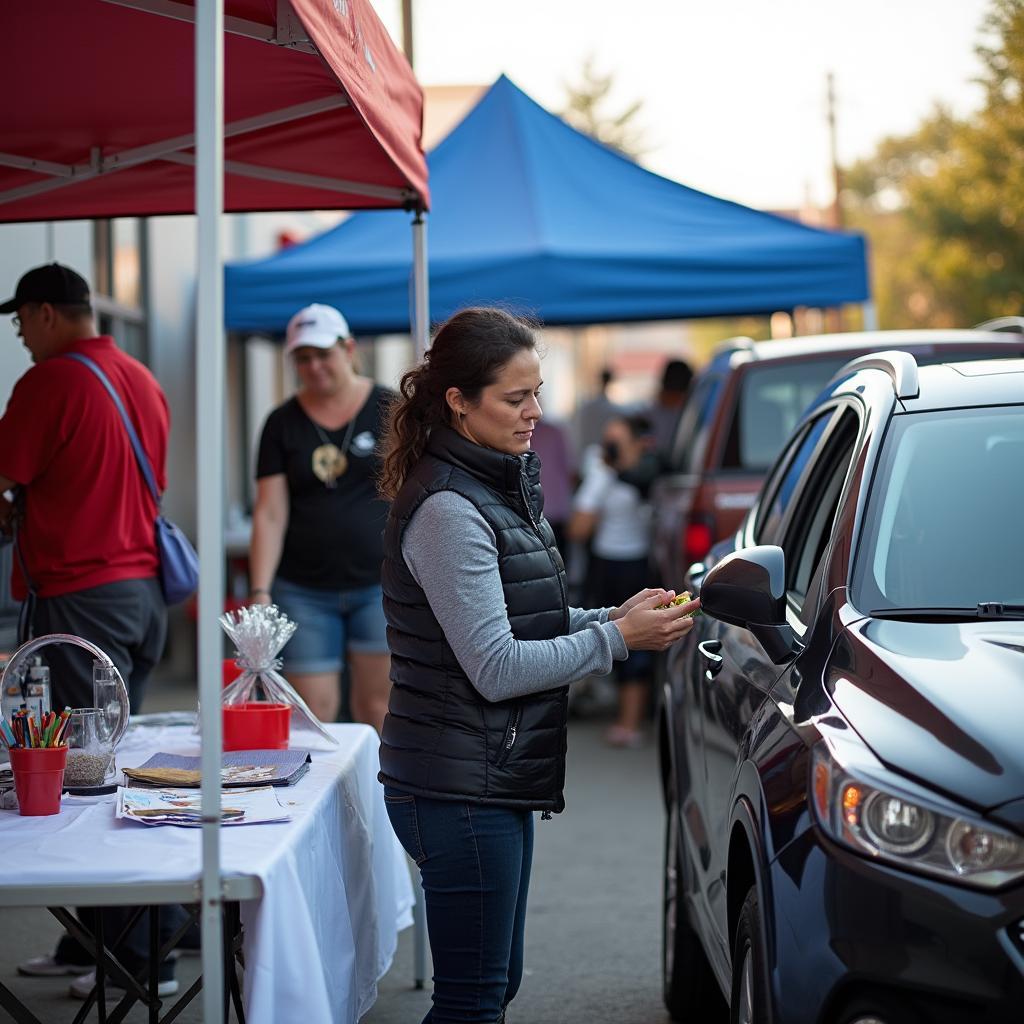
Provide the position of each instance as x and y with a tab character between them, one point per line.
142	107
321	111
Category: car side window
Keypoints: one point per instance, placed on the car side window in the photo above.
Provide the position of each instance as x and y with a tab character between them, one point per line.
781	486
694	426
810	526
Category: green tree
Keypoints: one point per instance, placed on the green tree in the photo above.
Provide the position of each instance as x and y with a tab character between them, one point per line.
944	206
586	108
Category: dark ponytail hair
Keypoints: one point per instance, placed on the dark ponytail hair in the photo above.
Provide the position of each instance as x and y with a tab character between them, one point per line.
468	352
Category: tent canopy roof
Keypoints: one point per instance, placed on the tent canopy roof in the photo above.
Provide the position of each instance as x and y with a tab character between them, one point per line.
321	110
532	213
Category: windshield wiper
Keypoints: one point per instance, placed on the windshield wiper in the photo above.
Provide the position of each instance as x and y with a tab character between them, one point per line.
983	610
999	610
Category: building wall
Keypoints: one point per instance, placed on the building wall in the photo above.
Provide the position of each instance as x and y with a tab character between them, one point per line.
23	246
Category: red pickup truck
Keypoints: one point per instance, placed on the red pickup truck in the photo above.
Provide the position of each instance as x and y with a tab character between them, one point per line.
741	409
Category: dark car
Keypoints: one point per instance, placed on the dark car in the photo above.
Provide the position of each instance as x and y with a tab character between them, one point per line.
842	732
744	405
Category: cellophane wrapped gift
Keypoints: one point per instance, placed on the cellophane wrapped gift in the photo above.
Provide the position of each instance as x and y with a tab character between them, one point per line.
259	632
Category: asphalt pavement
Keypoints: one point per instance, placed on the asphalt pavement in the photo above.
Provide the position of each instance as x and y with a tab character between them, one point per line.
593	943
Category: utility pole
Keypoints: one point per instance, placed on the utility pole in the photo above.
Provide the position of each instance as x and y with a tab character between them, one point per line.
834	316
837	174
407	31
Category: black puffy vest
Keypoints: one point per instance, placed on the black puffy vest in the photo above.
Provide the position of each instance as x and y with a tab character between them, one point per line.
441	739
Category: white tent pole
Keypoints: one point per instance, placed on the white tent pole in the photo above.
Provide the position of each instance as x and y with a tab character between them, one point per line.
870	315
420	285
210	359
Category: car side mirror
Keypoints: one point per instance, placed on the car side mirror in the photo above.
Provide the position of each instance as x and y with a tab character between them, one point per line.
748	588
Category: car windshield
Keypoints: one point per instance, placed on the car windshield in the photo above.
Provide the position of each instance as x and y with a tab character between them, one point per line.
943	526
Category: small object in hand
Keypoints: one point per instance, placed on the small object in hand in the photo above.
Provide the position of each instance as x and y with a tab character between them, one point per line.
683	598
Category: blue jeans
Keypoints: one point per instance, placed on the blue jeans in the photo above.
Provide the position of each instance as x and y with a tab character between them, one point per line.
475	864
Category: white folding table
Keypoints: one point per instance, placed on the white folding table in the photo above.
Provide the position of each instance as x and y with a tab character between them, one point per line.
322	897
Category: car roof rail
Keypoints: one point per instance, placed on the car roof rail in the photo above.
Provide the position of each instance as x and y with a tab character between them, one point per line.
1011	324
741	343
901	367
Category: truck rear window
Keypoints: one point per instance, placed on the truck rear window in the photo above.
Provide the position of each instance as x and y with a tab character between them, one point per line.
771	401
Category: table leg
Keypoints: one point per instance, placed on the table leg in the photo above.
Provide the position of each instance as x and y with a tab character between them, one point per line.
16	1008
101	990
234	929
106	961
154	965
228	949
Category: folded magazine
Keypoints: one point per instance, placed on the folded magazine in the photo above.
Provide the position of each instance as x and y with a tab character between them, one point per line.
182	806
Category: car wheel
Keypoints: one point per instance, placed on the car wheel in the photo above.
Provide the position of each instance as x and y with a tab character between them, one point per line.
749	1002
689	987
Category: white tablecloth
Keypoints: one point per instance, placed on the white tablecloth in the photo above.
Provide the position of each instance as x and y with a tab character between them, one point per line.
336	888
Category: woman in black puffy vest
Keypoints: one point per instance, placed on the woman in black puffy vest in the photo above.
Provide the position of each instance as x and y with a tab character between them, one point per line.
483	648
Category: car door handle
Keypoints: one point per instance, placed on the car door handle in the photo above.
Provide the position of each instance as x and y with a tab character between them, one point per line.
709	652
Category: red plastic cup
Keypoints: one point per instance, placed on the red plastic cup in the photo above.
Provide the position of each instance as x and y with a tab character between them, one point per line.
258	725
38	778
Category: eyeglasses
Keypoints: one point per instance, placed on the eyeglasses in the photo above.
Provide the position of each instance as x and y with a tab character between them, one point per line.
16	320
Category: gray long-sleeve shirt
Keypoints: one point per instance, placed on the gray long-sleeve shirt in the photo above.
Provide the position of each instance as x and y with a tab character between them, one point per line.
453	555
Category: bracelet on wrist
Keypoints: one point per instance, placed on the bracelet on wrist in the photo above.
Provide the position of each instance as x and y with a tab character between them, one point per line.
259	590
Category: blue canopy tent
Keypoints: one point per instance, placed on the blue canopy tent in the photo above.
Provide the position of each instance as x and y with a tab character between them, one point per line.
533	214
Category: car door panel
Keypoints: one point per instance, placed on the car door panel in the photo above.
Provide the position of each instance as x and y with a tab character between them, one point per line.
731	699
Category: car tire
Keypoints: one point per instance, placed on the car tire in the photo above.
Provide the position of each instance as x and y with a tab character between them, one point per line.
689	987
748	1003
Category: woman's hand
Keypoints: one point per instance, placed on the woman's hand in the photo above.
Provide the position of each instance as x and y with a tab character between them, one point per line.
665	595
646	627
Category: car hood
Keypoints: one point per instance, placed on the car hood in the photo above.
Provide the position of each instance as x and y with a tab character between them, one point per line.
941	702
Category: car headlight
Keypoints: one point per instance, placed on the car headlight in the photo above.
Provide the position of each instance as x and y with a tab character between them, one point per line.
910	831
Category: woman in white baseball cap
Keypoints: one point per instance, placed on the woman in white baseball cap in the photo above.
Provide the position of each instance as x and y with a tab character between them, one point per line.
316	546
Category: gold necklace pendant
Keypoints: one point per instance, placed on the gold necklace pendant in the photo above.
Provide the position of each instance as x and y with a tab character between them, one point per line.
329	463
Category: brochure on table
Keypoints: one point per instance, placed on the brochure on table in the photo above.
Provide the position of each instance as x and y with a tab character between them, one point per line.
183	806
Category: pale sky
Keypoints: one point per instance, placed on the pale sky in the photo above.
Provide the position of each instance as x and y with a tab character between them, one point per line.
733	90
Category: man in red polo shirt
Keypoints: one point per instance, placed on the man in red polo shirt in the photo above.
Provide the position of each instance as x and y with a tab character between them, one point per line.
85	544
85	555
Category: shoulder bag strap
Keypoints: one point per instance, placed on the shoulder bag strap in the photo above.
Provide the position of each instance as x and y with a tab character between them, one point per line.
140	455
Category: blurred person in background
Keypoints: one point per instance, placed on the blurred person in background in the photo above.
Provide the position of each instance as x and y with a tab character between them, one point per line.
318	522
591	416
668	404
484	647
615	518
551	444
588	426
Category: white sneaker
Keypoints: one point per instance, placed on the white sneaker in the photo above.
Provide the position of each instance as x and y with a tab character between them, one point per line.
48	967
85	983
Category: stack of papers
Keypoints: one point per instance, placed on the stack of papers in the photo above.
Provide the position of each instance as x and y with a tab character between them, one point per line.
182	806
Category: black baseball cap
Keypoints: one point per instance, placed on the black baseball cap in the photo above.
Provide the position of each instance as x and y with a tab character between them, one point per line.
51	283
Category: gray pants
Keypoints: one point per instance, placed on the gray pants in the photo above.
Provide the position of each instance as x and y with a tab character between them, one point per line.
127	620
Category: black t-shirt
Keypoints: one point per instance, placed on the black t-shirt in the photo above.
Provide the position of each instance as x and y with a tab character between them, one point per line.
334	539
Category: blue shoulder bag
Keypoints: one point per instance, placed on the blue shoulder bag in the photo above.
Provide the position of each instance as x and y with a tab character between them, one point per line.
179	563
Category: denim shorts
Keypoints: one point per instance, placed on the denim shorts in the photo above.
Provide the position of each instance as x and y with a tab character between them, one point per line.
331	624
